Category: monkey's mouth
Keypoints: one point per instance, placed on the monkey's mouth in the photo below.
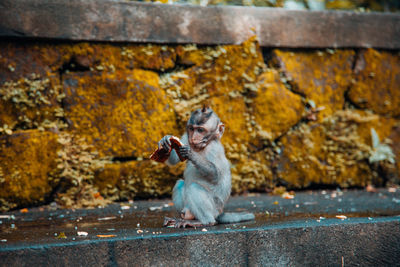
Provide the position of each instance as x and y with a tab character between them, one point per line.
199	146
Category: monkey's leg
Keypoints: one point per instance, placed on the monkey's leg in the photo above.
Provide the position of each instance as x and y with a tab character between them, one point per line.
200	203
187	215
177	195
198	210
177	198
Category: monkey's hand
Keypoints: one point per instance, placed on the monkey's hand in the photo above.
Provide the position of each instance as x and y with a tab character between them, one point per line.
165	143
185	152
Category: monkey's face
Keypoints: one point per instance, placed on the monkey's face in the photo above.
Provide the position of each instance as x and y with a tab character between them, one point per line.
197	137
201	135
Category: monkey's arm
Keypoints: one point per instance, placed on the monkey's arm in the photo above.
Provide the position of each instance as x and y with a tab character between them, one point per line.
173	157
205	167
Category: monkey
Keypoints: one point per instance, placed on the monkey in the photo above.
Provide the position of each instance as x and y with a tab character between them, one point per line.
200	197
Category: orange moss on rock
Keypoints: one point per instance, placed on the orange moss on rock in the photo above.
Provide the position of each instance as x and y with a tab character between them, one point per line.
137	179
32	102
123	111
395	145
191	55
21	59
298	165
322	77
252	171
333	152
232	112
222	70
154	57
120	114
111	57
27	160
275	108
377	85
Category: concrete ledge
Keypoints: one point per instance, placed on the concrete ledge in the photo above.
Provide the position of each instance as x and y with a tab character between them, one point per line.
356	242
93	20
291	233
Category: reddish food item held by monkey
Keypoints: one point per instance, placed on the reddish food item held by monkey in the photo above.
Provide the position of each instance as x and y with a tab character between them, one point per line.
161	154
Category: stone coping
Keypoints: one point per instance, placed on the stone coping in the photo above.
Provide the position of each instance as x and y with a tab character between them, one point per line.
120	21
303	231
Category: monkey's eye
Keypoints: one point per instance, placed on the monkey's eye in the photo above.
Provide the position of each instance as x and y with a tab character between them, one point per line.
201	130
190	128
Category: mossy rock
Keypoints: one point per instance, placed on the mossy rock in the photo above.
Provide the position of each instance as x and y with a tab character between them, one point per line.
320	76
21	59
27	161
132	179
377	85
233	113
216	71
120	114
253	172
274	107
334	152
31	103
112	57
395	138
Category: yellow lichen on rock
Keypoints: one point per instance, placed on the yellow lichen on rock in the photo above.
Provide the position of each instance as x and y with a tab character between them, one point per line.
232	112
224	70
66	57
22	59
298	165
377	85
252	171
365	120
32	102
322	77
76	164
27	160
121	114
137	179
274	107
395	145
334	152
110	58
190	55
118	106
154	57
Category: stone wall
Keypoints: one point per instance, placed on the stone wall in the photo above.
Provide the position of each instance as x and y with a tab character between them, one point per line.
78	121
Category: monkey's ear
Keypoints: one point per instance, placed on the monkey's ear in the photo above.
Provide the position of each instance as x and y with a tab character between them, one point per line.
221	129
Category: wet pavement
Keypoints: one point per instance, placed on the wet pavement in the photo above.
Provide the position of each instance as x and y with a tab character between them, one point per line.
48	224
49	227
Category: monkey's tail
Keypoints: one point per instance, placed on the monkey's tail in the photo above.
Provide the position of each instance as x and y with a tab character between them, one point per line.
235	217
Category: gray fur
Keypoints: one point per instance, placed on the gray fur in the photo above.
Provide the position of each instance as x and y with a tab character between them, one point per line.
206	186
235	217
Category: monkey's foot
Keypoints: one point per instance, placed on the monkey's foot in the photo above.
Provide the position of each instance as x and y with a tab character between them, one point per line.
181	223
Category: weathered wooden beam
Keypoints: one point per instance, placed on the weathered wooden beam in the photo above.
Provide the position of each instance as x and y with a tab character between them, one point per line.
106	20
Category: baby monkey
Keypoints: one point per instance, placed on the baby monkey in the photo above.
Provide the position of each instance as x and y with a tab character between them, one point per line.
201	196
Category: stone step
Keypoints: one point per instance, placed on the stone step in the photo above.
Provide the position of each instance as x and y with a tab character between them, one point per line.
156	23
304	231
